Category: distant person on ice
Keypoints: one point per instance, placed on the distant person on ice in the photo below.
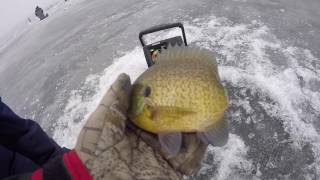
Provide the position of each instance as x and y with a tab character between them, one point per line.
39	13
107	148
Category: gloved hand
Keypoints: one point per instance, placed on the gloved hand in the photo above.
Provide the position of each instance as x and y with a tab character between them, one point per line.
113	148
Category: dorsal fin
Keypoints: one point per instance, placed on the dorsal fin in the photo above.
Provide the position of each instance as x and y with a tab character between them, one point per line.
178	53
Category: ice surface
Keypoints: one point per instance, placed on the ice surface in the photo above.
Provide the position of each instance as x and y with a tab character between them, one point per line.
18	22
242	53
273	84
231	160
79	106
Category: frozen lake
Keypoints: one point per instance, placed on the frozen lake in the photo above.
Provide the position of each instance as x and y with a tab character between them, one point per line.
269	61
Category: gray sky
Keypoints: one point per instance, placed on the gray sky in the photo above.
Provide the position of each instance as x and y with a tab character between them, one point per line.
13	12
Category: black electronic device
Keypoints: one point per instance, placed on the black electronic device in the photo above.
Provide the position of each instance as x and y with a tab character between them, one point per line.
151	50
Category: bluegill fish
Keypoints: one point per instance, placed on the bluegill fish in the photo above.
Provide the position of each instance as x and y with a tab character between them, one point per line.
181	93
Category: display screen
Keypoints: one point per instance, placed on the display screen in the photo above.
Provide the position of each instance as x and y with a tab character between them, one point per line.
156	50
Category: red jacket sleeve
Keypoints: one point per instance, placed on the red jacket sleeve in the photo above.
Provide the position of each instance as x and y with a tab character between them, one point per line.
66	167
69	166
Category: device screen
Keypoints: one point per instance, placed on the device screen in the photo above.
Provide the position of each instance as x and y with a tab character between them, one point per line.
156	50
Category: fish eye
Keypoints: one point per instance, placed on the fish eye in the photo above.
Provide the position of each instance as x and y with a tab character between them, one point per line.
147	91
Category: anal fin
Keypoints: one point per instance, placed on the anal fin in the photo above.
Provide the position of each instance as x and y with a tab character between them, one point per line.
217	135
170	143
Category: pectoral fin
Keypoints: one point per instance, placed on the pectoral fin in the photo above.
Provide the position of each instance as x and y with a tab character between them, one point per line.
170	143
216	136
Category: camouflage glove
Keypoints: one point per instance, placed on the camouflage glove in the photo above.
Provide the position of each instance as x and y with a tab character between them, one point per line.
112	148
